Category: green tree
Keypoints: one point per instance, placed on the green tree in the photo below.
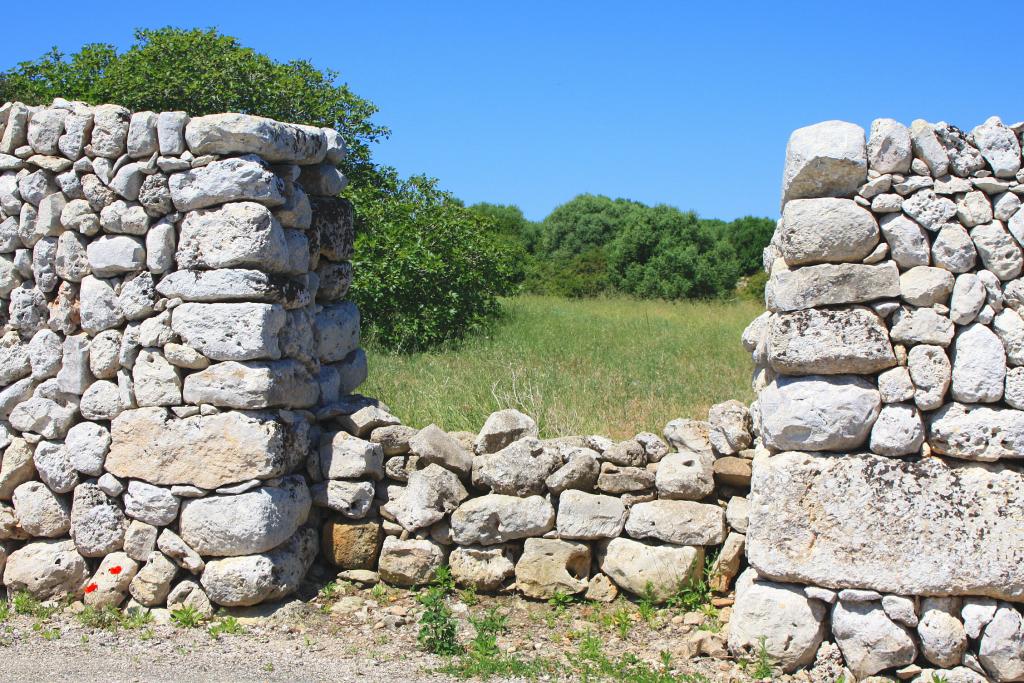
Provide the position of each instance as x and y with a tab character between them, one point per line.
427	269
202	72
749	236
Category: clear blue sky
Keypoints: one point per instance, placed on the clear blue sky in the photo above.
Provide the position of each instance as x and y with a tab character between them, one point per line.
531	103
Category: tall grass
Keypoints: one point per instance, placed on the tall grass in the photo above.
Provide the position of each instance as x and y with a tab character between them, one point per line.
607	366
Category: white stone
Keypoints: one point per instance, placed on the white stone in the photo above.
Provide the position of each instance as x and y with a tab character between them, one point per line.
967	300
495	518
910	553
827	341
170	130
208	451
1014	393
897	431
907	240
685	476
549	567
977	432
929	209
889	147
485	569
343	456
921	326
98	306
46	569
337	327
999	251
979	365
140	540
503	428
247	523
87	444
101	401
586	516
150	504
1001	645
927	147
633	566
828	159
830	284
157	382
930	370
242	178
942	636
431	493
818	412
252	384
41	512
97	523
825	230
351	499
110	130
777	617
999	146
248	580
901	610
240	234
926	286
161	244
248	134
153	582
230	331
869	639
409	563
680	522
953	249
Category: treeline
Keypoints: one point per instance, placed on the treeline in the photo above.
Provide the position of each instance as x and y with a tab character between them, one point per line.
594	245
428	269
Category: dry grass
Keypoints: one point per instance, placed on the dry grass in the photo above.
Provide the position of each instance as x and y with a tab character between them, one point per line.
607	366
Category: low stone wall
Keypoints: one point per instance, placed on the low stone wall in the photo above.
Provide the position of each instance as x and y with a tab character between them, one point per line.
172	309
577	516
887	509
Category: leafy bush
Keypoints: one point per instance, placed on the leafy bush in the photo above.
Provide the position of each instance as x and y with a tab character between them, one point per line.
427	270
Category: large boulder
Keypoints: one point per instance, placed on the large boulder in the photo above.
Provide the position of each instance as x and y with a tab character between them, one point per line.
828	159
825	230
818	412
46	569
208	451
497	518
830	284
869	639
247	523
588	516
518	469
430	494
251	385
250	579
829	342
973	432
235	235
788	624
549	566
634	566
277	142
934	528
244	178
680	522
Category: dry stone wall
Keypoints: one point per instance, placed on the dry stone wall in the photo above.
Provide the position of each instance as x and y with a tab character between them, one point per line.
172	316
886	512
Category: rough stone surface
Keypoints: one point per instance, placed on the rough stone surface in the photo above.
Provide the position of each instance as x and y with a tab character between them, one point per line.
830	284
829	342
828	159
870	641
811	527
818	413
548	567
635	565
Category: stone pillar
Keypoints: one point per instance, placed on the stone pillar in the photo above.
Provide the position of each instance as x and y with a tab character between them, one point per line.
889	378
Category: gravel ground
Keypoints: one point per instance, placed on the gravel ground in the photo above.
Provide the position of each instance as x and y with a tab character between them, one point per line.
355	635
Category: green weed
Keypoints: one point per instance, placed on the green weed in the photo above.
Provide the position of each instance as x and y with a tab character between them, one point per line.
187	617
228	626
438	632
136	618
27	605
106	618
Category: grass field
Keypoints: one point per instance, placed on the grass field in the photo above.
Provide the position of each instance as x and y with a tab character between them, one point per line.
605	366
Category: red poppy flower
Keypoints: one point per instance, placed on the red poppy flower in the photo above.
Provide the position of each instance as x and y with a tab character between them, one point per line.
91	587
115	570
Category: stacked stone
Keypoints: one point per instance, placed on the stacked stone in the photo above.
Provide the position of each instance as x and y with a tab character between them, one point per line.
894	339
172	316
504	509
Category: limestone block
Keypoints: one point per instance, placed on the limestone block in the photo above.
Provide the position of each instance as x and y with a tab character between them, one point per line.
830	285
828	159
829	342
818	412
